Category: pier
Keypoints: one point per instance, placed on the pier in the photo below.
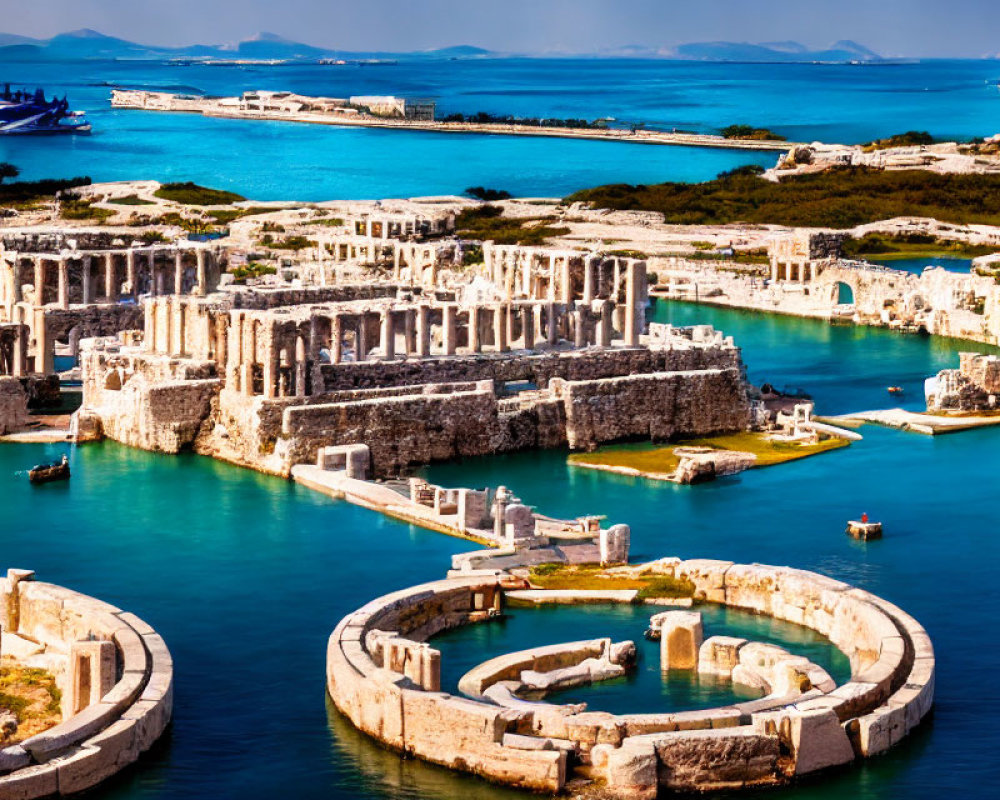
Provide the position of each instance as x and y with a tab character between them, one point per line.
332	111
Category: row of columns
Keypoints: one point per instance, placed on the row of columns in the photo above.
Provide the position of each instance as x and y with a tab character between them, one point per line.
104	266
14	349
794	271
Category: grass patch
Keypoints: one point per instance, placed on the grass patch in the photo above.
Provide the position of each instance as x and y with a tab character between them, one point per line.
224	216
660	459
33	697
593	576
908	139
191	194
913	245
330	222
130	200
252	270
488	223
31	193
839	198
288	243
75	208
750	132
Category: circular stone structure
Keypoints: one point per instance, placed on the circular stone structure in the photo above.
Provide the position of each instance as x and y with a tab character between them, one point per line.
385	678
116	678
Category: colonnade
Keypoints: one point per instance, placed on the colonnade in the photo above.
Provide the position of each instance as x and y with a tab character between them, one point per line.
105	276
400	225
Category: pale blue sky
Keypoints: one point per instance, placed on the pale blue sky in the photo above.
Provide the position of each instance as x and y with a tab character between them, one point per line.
893	27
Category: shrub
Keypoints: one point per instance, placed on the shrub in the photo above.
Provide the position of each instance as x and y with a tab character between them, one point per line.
191	194
487	195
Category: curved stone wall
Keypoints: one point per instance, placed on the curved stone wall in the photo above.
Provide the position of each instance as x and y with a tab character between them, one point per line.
535	745
116	676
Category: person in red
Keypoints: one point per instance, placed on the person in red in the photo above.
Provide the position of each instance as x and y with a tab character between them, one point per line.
864	517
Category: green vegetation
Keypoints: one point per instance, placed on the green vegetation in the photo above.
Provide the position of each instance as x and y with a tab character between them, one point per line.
487	195
252	270
637	254
33	697
288	243
592	576
28	194
472	254
130	200
750	132
659	459
73	207
484	118
911	245
907	139
840	198
329	222
488	223
224	216
191	194
8	170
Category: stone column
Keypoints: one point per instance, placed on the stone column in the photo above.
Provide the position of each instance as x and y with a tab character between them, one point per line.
270	368
475	344
178	273
44	352
336	340
500	328
604	325
551	334
579	327
634	294
389	335
409	333
202	287
17	290
63	283
39	264
588	279
234	351
149	327
450	334
423	331
249	359
110	278
19	367
130	273
87	281
528	327
361	339
566	280
301	366
177	329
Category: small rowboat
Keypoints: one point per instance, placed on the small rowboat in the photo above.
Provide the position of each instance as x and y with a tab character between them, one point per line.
895	390
46	473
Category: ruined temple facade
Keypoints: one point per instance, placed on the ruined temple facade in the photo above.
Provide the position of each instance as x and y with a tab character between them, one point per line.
268	378
66	288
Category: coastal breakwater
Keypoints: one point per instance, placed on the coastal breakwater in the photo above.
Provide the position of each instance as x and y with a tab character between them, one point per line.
235	108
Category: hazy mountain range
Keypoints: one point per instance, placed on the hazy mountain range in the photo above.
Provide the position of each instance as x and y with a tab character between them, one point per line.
90	44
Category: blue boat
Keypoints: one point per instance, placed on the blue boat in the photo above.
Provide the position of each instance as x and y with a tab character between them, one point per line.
23	113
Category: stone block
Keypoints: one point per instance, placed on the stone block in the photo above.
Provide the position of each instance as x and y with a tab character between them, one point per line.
631	770
719	654
680	639
27	784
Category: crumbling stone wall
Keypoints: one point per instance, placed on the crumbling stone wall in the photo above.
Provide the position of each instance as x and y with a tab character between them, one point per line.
656	406
13	405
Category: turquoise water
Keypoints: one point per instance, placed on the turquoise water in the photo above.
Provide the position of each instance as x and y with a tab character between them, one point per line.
918	265
284	161
644	689
246	575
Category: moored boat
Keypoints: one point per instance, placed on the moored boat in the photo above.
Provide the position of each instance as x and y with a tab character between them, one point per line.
46	473
24	113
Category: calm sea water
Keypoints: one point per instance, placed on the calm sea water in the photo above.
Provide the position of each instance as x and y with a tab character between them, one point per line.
285	161
246	575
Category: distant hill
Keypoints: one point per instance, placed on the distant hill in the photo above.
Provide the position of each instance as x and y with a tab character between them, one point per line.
90	44
844	50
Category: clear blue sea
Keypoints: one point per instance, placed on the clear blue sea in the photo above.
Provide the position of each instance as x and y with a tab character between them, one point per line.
246	575
268	161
